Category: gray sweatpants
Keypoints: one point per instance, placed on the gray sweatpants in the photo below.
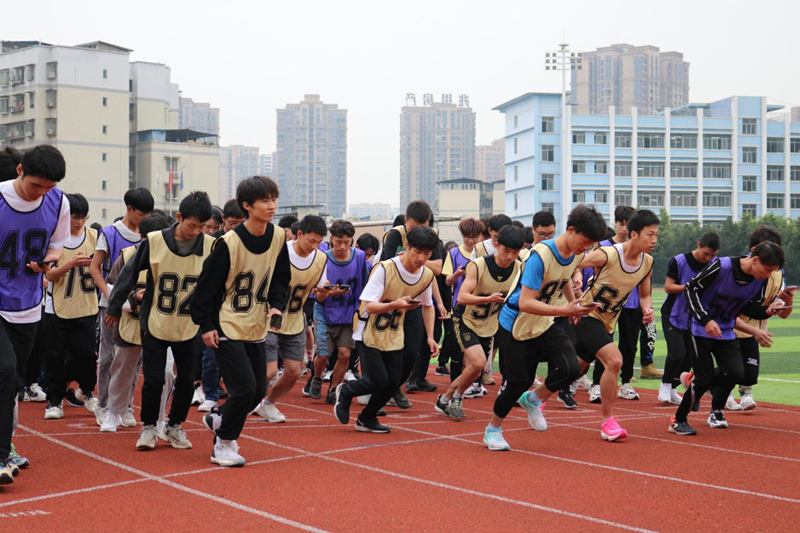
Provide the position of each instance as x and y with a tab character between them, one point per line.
104	360
124	373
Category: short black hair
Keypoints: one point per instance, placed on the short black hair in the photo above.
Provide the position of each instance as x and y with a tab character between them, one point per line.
140	199
154	222
710	240
543	219
44	161
251	190
485	231
585	219
529	236
197	204
419	211
342	228
78	204
641	219
623	213
423	238
449	245
497	222
367	241
518	224
10	159
286	221
399	220
764	233
216	214
313	224
231	209
511	237
470	227
294	228
97	226
769	253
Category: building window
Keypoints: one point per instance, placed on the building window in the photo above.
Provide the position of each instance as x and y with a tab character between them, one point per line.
794	172
105	102
601	197
749	183
104	185
548	124
622	198
31	100
548	152
717	170
104	213
516	121
51	96
684	141
105	129
683	170
650	140
794	200
622	139
516	173
749	126
578	137
578	197
516	144
749	154
794	145
52	70
51	126
601	167
105	157
749	210
623	169
548	182
516	201
650	169
683	198
775	201
716	142
105	74
601	137
650	198
579	167
774	145
716	199
549	207
774	173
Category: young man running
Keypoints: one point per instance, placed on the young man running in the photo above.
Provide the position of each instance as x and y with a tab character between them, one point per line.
395	286
35	227
618	270
489	246
173	259
488	280
528	334
717	296
675	313
244	283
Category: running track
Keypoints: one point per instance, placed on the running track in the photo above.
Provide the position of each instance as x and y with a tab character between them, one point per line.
430	474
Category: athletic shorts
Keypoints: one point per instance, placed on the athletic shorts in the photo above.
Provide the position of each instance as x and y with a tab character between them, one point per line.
520	358
292	347
340	335
568	328
592	337
468	338
308	310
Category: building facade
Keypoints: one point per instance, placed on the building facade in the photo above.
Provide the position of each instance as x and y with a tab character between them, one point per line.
627	76
265	164
236	163
373	211
490	161
198	116
708	162
311	163
468	198
437	143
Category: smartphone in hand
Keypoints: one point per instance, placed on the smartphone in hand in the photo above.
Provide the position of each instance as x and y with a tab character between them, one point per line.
276	322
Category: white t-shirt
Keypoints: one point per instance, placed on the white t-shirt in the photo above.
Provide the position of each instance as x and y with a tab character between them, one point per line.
302	263
57	241
374	290
490	249
102	244
625	266
72	242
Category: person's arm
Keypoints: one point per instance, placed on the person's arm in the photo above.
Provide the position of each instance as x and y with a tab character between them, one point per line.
127	280
96	268
762	336
281	280
78	260
529	301
55	249
392	242
428	317
646	298
116	268
435	265
595	259
437	297
671	285
465	296
695	289
209	292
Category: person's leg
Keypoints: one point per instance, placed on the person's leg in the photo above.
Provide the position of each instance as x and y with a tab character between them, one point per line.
55	348
374	378
123	369
413	329
520	364
210	374
82	346
730	371
186	355
34	367
449	346
597	373
751	357
154	359
676	353
292	348
238	366
629	325
8	389
611	358
105	358
555	347
391	364
703	376
340	339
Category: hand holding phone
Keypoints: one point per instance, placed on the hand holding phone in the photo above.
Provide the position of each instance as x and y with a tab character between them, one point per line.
276	321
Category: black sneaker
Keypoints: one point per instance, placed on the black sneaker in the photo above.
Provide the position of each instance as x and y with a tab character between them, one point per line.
330	398
342	407
565	397
307	387
681	428
441	406
717	420
411	386
315	391
381	412
371	426
425	386
696	406
442	371
72	399
399	400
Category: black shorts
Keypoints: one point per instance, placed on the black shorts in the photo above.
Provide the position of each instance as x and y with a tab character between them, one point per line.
308	310
468	338
520	358
592	337
568	328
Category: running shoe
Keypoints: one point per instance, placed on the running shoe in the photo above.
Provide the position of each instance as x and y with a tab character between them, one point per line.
440	406
226	453
456	409
128	420
487	379
54	412
534	409
213	420
611	430
315	392
399	400
206	406
176	436
34	393
573	387
665	392
747	402
198	396
16	459
110	423
731	404
476	390
425	386
627	392
269	412
147	438
442	371
493	439
330	397
675	398
350	376
371	426
717	420
72	398
565	397
7	472
681	428
342	407
326	376
594	394
307	388
585	382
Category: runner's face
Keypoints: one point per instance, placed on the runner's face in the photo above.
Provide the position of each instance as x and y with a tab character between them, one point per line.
34	188
341	247
505	256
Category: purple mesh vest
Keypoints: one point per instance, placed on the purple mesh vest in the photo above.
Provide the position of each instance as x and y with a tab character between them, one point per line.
24	238
679	316
116	243
724	300
341	309
458	262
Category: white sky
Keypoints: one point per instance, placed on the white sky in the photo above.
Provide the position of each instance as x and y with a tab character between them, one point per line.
249	59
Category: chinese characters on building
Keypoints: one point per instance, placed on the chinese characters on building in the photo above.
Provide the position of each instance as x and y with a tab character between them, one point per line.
428	99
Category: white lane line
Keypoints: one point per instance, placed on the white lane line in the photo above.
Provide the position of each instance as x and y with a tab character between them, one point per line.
71	492
172	484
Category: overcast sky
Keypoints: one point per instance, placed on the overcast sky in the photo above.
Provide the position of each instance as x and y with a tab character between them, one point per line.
249	59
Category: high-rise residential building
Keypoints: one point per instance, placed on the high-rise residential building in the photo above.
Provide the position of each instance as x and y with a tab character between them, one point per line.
437	144
311	162
374	211
265	166
198	116
116	122
236	163
490	161
626	76
708	162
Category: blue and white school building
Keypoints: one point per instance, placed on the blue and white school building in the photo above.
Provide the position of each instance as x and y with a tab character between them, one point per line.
731	158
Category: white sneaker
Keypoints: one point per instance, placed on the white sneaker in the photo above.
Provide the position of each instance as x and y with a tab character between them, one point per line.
39	392
270	412
128	420
54	412
147	438
474	391
80	395
665	393
675	398
110	423
198	396
226	453
34	395
91	404
99	414
364	399
627	392
176	436
594	394
206	406
731	404
573	388
349	376
494	441
584	382
747	402
535	417
326	376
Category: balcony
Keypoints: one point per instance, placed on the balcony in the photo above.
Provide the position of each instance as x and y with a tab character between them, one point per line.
17	103
51	126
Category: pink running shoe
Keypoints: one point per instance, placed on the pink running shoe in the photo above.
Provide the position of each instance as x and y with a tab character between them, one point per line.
611	430
686	379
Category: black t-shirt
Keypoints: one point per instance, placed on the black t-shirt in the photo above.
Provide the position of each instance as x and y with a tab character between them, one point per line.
672	272
394	241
